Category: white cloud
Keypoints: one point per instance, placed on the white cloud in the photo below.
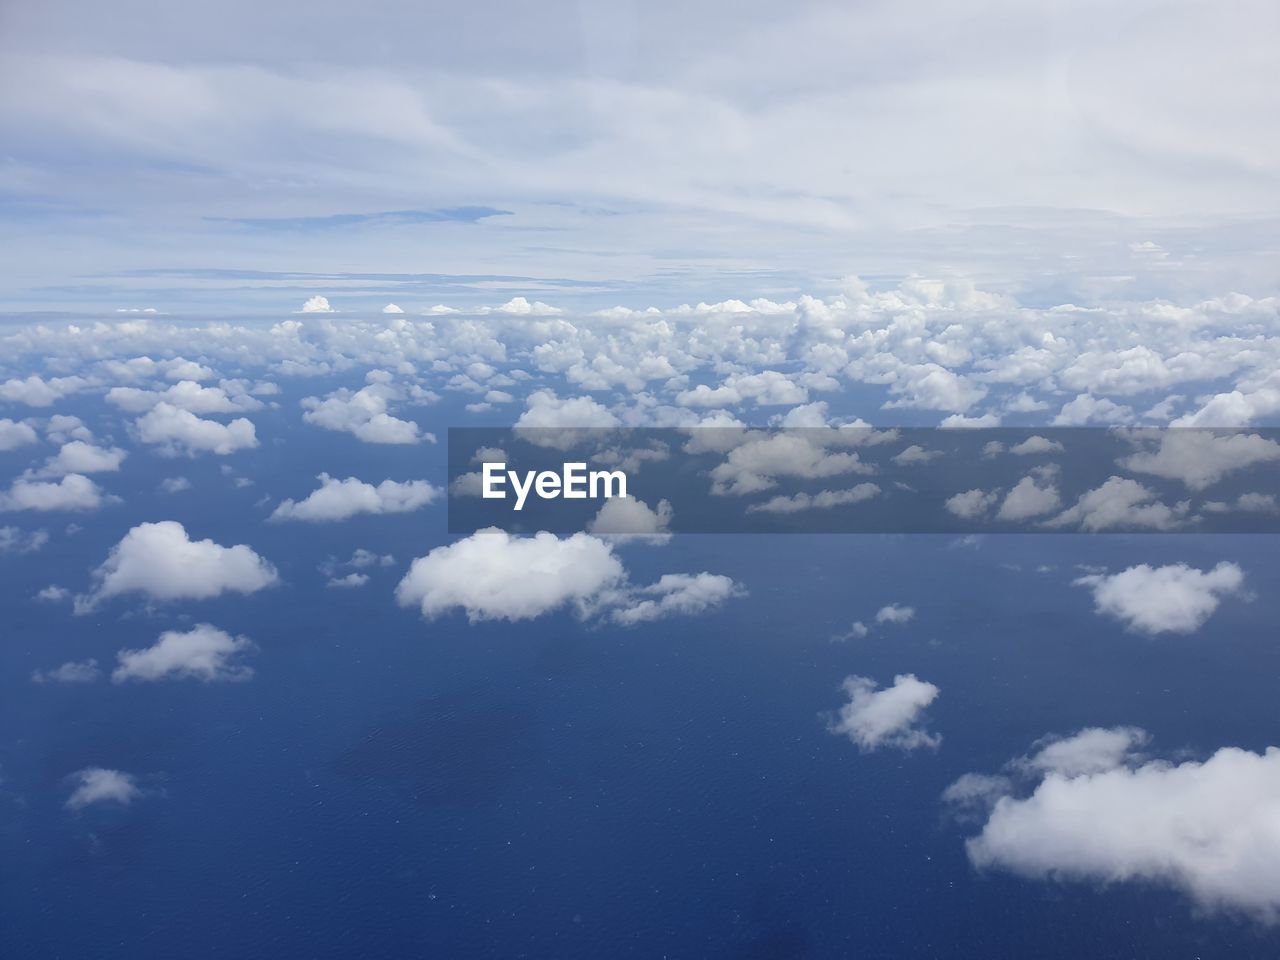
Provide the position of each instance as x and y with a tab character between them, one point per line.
100	785
349	581
627	518
72	492
1029	499
545	410
161	562
16	540
73	671
77	456
181	430
1036	444
317	304
392	308
175	484
202	653
1199	458
341	499
495	576
36	392
757	461
364	414
187	395
892	717
1171	599
14	434
1101	813
895	613
972	504
675	594
916	454
822	500
1120	502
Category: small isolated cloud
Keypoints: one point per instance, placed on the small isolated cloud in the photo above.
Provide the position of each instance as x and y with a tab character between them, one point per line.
916	454
1035	444
1097	811
202	653
675	594
392	308
1200	458
17	540
160	561
340	499
895	613
364	414
175	484
494	576
892	717
972	504
627	518
317	304
1172	599
180	431
1120	503
71	672
77	456
100	785
14	434
72	492
823	500
348	582
1030	497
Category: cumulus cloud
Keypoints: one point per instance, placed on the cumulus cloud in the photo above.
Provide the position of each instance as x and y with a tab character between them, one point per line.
317	304
972	504
35	391
1098	811
340	499
892	717
14	434
1120	503
492	575
1030	497
161	562
202	653
187	395
101	785
1171	599
756	462
72	492
77	456
364	414
1200	458
178	430
16	540
1034	445
628	518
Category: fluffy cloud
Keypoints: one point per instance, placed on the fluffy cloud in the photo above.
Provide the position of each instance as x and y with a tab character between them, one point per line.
363	414
187	395
822	500
77	456
202	653
179	430
1030	497
972	504
100	785
340	499
36	392
1199	458
627	517
1120	503
14	434
494	576
72	492
757	461
160	561
1170	599
891	717
1101	813
16	540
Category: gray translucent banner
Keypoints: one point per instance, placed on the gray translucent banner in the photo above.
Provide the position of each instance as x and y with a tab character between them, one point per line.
864	480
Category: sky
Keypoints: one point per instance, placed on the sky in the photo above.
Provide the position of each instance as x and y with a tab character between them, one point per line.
258	696
160	155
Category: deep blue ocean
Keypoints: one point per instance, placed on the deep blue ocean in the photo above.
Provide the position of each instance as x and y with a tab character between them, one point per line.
389	787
